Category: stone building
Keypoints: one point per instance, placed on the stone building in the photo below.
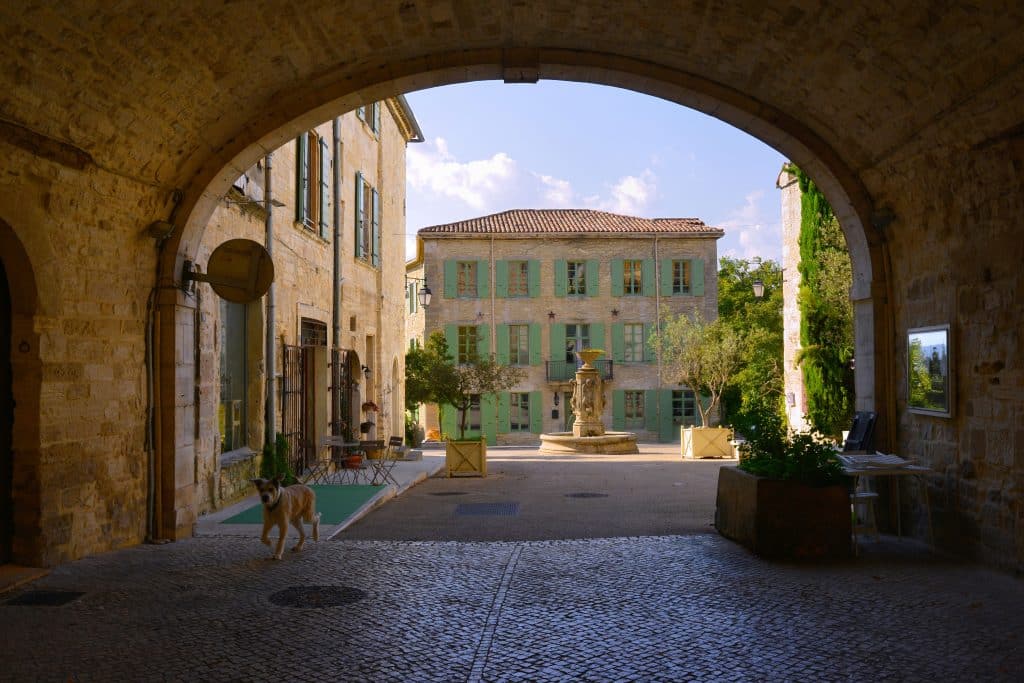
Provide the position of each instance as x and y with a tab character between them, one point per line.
792	375
532	287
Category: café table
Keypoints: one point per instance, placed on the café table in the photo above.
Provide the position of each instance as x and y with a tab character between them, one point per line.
888	465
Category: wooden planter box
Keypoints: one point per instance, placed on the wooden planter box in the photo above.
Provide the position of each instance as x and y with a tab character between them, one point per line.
783	520
706	442
466	458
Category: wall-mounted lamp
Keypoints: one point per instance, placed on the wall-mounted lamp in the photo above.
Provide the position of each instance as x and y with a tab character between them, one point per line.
556	398
366	372
551	315
424	293
790	399
758	288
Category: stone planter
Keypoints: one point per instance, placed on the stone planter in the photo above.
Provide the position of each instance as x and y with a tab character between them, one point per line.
783	520
466	458
706	442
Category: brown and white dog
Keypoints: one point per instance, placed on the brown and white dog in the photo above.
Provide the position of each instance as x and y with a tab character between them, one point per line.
284	505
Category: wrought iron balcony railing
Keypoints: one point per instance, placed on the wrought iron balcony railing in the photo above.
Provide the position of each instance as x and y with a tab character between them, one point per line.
563	370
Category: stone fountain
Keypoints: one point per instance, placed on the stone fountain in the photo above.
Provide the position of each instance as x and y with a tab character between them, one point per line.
588	434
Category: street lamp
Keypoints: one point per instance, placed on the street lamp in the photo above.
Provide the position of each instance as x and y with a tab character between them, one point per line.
424	293
758	288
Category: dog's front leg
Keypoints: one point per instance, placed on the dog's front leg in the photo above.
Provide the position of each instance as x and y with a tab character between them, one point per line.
297	523
283	528
265	537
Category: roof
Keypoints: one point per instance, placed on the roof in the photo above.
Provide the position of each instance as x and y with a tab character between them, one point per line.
551	221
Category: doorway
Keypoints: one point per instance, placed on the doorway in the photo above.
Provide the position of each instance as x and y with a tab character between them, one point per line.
6	424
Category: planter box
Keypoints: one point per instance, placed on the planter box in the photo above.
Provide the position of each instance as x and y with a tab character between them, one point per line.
783	519
466	458
706	442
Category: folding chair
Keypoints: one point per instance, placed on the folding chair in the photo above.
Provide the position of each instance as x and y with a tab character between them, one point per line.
337	454
382	464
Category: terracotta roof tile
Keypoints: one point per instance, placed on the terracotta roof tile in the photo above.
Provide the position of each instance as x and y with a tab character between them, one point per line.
533	221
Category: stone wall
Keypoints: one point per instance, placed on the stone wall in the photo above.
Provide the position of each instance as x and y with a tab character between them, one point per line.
793	378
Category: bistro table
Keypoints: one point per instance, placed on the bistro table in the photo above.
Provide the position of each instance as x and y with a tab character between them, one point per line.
888	465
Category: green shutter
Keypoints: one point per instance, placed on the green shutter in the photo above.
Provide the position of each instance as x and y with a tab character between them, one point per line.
647	350
597	337
665	277
593	269
561	278
451	269
483	279
501	279
533	273
618	410
536	412
301	176
618	342
451	335
325	178
666	428
647	274
375	235
489	418
651	410
697	277
449	421
536	354
501	344
483	341
617	277
361	112
556	342
360	212
376	117
504	420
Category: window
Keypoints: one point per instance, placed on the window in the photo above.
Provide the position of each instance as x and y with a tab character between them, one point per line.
472	414
367	221
467	350
519	412
680	277
231	413
312	181
633	334
684	407
370	115
519	344
632	276
518	279
634	408
312	332
465	273
576	277
577	337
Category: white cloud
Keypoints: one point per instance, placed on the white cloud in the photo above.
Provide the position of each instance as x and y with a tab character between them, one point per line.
630	195
750	232
556	191
433	170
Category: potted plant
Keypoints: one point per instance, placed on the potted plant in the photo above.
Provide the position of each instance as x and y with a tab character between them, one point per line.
788	498
702	355
369	407
432	376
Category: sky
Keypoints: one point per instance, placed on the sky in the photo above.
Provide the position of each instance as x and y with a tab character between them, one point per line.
492	146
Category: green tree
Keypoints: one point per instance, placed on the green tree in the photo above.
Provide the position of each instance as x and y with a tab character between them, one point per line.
753	396
699	354
826	313
432	376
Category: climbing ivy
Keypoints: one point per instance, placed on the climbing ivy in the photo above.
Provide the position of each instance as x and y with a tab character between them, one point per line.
826	313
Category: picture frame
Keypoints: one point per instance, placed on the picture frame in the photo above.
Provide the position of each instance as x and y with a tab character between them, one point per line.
930	374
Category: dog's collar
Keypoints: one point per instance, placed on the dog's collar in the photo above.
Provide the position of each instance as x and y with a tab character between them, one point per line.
277	502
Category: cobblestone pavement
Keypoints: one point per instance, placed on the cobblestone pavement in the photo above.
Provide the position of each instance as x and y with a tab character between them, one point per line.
669	608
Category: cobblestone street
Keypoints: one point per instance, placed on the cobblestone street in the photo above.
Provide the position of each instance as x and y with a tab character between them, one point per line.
669	608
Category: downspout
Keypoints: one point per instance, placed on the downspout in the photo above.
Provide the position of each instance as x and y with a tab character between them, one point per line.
494	281
270	360
150	421
657	325
337	280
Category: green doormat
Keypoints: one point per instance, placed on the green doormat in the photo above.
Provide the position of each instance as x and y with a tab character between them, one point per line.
334	503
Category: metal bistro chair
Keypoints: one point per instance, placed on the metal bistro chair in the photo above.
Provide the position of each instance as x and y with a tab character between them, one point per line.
337	455
381	464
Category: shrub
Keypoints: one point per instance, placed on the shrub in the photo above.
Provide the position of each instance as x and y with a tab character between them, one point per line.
806	457
275	461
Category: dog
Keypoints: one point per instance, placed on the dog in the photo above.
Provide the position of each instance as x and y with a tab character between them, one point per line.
284	505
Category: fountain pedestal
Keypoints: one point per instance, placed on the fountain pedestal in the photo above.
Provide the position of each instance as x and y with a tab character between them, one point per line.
588	434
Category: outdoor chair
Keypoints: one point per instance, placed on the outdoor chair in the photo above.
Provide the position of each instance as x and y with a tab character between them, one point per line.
382	463
336	454
861	436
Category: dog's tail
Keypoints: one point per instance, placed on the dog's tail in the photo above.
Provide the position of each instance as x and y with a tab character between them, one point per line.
316	527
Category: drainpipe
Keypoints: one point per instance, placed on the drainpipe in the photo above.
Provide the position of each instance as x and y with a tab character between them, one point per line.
336	288
657	324
270	365
494	281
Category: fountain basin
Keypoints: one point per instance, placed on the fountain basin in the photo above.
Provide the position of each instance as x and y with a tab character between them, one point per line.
609	442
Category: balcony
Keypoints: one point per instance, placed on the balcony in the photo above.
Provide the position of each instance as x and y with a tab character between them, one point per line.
563	371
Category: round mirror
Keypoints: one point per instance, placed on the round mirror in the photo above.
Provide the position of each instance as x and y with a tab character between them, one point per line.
240	271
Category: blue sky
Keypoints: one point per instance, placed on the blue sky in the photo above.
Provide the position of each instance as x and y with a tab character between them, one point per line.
492	146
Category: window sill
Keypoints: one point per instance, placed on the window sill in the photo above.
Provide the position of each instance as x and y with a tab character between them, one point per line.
228	458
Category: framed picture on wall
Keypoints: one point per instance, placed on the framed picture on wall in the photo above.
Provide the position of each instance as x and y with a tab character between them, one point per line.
930	372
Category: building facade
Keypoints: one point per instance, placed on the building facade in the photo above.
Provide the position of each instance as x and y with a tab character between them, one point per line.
532	287
337	194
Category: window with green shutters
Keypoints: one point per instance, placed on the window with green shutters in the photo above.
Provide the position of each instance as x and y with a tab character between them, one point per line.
466	279
367	221
632	277
684	407
633	342
633	405
519	412
518	344
680	277
576	278
577	338
518	279
370	115
473	421
468	344
312	182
